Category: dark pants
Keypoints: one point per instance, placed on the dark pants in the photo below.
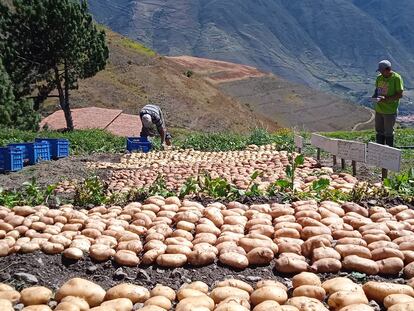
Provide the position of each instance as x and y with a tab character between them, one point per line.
384	126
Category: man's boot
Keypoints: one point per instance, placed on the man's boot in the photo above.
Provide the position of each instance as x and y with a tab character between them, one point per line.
380	139
389	140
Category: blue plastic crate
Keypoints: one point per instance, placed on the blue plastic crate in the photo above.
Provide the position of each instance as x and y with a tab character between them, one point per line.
58	147
138	144
33	152
11	159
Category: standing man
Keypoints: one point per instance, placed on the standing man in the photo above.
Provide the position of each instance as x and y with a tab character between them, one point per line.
152	120
389	88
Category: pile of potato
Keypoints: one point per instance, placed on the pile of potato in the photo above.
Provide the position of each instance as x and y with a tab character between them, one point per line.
176	166
308	293
297	237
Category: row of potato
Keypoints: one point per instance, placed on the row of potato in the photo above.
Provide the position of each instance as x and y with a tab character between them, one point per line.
303	236
176	166
308	293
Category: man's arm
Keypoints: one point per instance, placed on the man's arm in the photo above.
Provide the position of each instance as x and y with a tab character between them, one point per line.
396	96
162	132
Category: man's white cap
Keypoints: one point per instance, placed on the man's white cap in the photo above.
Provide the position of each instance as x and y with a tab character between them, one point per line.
146	120
384	64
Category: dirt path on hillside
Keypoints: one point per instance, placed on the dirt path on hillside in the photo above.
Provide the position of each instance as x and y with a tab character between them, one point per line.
371	119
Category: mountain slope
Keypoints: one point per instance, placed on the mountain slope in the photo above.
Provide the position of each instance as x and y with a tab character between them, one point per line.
326	44
135	76
208	95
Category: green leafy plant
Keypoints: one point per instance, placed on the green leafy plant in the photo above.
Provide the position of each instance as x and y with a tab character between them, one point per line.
401	184
190	186
253	187
92	191
159	187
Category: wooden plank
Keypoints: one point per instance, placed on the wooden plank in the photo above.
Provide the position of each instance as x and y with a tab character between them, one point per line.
384	157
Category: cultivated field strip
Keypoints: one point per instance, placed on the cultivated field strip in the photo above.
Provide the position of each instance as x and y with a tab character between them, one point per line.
296	237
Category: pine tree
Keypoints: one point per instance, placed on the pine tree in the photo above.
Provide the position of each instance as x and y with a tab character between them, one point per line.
49	45
15	114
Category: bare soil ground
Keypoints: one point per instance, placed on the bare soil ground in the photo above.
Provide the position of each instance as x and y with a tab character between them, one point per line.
52	172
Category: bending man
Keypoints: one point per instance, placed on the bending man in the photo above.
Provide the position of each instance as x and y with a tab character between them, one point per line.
152	120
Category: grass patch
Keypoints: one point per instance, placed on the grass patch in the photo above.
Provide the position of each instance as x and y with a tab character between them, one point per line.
81	141
133	45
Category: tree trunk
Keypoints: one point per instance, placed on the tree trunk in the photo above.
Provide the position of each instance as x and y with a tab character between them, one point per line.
66	110
63	100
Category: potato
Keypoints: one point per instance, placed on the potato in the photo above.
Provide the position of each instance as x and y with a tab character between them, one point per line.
386	252
394	299
358	250
357	307
325	252
312	231
402	307
52	248
165	291
146	308
178	249
135	293
234	301
160	301
37	308
306	278
236	283
119	304
354	207
218	294
352	241
101	252
197	285
230	306
264	283
287	232
260	256
287	247
188	292
249	243
378	291
201	258
356	263
290	265
76	301
267	305
10	295
126	258
340	284
342	299
91	292
234	260
171	260
311	291
306	304
64	306
193	303
262	294
409	270
73	253
389	266
326	265
151	256
314	242
37	295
